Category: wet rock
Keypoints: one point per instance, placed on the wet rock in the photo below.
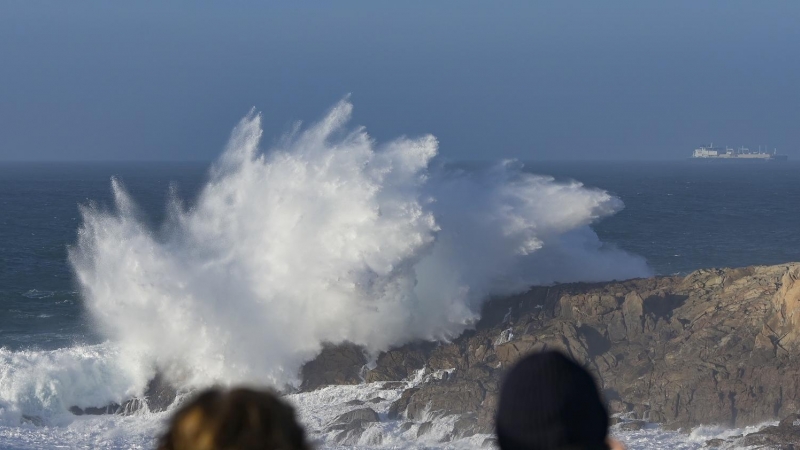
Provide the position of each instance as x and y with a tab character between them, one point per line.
33	420
352	424
634	425
784	436
464	427
393	385
792	420
131	406
340	364
424	429
351	435
398	408
399	364
618	406
445	398
158	396
345	426
111	408
374	439
769	440
357	415
489	443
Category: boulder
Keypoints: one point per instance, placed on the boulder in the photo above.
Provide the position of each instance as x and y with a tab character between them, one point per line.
357	415
399	364
784	436
399	406
336	364
633	425
490	442
465	426
160	393
350	434
445	398
36	421
350	426
424	428
158	396
111	408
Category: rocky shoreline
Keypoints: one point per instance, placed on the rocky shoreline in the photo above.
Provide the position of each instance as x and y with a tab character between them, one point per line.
716	347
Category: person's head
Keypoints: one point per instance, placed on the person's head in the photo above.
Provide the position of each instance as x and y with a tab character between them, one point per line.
239	419
548	402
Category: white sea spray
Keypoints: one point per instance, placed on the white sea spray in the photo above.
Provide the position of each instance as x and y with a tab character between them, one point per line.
329	237
326	237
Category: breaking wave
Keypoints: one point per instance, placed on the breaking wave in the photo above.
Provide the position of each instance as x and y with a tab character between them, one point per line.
327	237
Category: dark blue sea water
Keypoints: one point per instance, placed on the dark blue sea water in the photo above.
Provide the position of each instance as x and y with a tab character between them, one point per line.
39	304
680	216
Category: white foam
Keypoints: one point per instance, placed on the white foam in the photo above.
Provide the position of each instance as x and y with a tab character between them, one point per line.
37	294
329	237
316	410
655	437
46	383
99	432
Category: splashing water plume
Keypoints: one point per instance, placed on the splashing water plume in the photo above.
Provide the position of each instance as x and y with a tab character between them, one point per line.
328	238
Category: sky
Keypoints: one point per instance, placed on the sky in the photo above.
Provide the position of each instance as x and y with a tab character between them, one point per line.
560	80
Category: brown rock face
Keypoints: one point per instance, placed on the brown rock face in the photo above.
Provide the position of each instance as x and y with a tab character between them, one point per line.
784	436
719	346
340	364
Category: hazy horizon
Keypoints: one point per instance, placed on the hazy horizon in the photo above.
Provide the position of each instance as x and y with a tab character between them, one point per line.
544	82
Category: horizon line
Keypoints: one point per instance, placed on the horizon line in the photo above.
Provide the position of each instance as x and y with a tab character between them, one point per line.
459	160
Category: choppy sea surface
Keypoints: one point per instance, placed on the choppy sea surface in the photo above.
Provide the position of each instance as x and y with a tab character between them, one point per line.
680	216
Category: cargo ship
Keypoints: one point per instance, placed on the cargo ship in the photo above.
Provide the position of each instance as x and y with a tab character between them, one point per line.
711	153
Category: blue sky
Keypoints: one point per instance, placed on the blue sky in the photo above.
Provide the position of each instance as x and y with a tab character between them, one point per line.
545	80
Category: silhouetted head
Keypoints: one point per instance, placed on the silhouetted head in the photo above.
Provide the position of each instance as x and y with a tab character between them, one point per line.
240	419
548	402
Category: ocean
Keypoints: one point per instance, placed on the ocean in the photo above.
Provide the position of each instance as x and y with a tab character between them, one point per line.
679	215
92	300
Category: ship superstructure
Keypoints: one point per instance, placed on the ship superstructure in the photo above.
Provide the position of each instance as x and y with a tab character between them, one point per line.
711	153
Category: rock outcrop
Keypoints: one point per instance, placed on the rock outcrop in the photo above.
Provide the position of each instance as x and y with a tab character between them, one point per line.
718	346
784	436
341	364
351	425
158	396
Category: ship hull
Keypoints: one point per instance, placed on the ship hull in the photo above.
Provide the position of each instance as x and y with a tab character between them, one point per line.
777	158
